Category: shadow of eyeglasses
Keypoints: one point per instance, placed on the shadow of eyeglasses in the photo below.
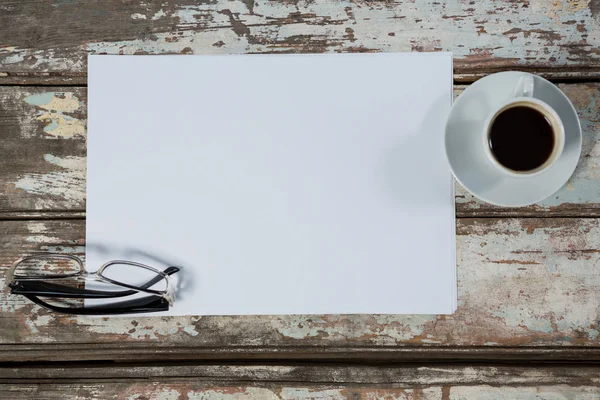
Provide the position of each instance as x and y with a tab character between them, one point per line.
184	280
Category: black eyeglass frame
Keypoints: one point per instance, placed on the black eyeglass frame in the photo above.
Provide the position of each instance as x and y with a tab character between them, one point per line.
144	304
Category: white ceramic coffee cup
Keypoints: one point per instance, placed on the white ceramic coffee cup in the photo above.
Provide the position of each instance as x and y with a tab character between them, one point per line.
523	96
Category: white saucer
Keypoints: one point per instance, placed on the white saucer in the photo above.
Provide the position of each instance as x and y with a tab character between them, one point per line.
475	171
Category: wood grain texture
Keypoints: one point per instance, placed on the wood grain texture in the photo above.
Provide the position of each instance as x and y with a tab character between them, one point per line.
316	374
51	39
521	283
139	351
153	390
309	382
43	156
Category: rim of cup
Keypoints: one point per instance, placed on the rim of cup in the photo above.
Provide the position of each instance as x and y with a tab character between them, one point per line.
555	123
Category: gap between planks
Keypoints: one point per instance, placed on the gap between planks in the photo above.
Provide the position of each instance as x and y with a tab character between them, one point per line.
40	215
79	79
143	352
36	215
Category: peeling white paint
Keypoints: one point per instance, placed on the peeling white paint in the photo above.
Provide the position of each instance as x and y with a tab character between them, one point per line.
144	329
190	330
71	248
7	49
533	33
164	44
158	15
233	394
67	184
36	227
389	329
550	392
429	393
11	304
171	391
76	164
53	109
64	102
171	394
39	320
43	239
16	58
506	277
485	33
312	394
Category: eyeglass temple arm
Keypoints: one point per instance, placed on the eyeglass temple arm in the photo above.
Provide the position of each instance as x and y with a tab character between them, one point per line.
168	271
171	270
39	288
141	305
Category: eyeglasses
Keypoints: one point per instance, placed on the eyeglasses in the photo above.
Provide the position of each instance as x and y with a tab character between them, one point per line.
35	277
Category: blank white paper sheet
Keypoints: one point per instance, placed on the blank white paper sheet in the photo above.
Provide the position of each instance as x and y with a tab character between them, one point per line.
280	184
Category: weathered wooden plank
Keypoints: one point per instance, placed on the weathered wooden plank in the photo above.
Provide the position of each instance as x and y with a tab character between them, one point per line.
43	156
138	351
521	283
152	390
271	382
312	374
55	36
309	382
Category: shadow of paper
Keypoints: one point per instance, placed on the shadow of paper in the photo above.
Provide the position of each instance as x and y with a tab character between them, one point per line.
411	154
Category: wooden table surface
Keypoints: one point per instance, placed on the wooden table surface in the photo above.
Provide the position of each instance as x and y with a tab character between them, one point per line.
528	318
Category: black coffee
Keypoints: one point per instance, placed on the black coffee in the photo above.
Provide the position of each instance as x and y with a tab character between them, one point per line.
521	138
